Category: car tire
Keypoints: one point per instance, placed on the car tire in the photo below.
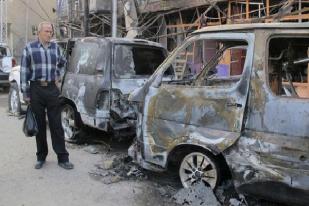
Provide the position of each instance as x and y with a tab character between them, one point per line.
14	103
70	122
197	166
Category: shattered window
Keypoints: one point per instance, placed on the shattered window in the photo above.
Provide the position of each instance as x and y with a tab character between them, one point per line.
132	61
210	62
4	52
288	66
84	58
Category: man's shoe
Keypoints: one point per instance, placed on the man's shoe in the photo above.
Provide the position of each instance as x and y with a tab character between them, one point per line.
39	164
66	165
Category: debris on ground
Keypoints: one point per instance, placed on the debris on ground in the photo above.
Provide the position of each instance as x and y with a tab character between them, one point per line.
226	192
107	164
197	195
96	149
118	168
152	194
92	149
236	202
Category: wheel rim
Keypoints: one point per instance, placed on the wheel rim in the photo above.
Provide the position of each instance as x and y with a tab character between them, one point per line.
14	101
68	122
196	167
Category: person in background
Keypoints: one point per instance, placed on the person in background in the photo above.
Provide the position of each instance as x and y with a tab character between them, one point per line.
40	71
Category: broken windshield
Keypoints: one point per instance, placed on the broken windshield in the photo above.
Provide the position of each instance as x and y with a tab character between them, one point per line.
133	61
209	59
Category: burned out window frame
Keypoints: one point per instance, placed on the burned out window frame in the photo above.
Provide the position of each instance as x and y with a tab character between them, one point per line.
267	53
247	38
136	76
74	69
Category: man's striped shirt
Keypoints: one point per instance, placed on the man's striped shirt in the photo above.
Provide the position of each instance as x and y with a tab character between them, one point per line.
40	64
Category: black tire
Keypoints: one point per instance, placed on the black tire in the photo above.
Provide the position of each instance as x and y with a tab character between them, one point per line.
71	123
14	103
206	166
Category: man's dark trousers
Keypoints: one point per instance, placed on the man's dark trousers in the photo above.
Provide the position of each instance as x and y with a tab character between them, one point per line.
44	95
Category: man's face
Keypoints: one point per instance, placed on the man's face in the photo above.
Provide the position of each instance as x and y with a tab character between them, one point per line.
46	33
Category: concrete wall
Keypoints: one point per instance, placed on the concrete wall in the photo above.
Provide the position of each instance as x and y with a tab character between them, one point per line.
22	15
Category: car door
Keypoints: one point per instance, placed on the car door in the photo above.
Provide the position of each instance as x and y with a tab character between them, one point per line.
205	102
277	131
84	81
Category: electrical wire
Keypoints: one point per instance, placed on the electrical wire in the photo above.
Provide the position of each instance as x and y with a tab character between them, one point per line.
43	9
26	4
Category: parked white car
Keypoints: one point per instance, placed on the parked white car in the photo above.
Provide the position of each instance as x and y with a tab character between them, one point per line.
6	64
15	101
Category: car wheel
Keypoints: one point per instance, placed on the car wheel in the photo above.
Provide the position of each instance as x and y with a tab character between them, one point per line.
199	167
14	101
69	122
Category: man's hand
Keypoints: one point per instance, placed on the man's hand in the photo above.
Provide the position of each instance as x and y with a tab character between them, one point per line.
26	100
58	83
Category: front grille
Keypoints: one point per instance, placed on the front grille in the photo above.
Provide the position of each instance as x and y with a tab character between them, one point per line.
4	76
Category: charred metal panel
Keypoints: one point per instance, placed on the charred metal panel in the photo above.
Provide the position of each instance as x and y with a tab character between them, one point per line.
270	113
275	144
100	98
257	157
130	71
126	86
271	163
265	141
83	88
198	115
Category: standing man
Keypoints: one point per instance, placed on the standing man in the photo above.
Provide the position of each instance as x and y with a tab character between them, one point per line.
40	65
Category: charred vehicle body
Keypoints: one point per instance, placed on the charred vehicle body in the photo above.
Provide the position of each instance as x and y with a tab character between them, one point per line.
238	98
100	74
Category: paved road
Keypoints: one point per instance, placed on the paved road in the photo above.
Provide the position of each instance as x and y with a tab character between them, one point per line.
22	185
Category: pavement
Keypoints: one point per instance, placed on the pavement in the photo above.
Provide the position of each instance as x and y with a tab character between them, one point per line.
22	185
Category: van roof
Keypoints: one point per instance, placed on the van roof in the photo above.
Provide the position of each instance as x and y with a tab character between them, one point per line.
246	27
123	41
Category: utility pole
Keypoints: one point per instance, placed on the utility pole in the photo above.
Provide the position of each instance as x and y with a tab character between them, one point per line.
86	18
27	22
114	21
3	21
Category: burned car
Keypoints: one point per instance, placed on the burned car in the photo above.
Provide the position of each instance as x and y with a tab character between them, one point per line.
101	72
238	101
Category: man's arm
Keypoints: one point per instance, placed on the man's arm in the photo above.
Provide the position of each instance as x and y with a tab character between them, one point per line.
25	74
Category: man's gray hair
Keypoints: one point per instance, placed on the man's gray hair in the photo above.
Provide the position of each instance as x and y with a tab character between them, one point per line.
44	23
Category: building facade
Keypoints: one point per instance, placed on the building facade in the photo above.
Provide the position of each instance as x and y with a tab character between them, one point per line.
23	16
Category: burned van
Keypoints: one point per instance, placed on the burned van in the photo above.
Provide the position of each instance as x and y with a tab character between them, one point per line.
238	100
100	74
